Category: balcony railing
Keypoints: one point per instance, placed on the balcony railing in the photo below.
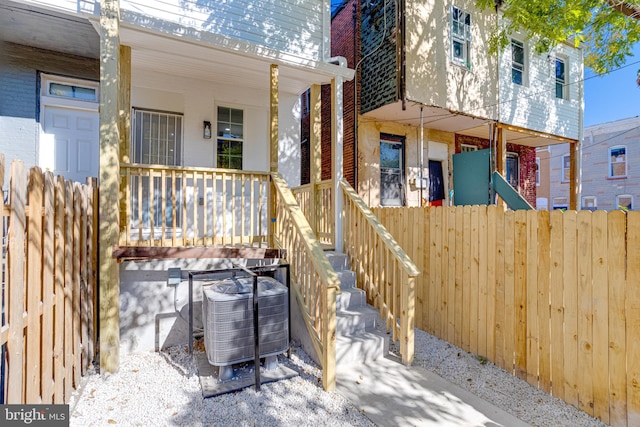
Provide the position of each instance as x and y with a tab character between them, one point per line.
189	206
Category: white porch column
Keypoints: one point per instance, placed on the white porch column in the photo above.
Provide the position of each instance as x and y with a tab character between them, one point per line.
337	143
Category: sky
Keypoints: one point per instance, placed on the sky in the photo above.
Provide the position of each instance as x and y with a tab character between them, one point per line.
614	96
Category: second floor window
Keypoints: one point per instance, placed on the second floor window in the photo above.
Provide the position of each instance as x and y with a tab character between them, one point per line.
560	78
517	62
617	162
460	36
566	168
230	134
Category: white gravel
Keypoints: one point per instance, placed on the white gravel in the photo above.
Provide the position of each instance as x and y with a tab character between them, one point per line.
162	389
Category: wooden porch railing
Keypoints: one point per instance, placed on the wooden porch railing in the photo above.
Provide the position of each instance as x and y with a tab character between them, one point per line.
314	282
189	206
321	216
382	268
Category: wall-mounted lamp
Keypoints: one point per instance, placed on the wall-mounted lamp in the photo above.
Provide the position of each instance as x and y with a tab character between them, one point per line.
207	130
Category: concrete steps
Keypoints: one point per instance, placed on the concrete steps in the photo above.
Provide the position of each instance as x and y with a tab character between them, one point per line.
357	340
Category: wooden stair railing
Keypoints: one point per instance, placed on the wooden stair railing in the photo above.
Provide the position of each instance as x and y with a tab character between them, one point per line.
313	280
383	269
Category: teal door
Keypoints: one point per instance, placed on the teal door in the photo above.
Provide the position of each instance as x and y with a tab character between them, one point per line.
471	177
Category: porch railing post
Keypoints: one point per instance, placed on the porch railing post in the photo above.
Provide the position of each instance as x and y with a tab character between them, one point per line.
337	143
273	155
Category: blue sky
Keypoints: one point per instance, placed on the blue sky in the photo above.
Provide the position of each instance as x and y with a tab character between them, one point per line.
614	96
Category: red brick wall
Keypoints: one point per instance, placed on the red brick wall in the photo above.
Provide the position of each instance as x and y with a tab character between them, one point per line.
527	163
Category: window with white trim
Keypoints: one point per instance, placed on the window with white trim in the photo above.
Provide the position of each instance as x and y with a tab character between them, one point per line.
560	203
465	148
589	203
624	202
561	80
230	138
460	36
517	62
566	168
618	162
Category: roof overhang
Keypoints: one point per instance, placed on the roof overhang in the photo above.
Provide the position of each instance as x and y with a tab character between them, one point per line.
453	122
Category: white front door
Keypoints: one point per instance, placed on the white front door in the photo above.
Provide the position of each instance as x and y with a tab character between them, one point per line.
74	135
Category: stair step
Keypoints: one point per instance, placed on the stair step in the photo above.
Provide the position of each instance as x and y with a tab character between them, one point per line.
356	320
361	348
347	279
339	261
351	298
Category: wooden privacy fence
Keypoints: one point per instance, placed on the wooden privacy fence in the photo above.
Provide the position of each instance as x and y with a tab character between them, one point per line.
553	298
48	290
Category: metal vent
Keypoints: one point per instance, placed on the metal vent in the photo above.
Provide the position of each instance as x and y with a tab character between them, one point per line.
227	311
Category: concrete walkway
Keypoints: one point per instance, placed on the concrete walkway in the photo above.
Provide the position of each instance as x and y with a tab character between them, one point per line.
391	394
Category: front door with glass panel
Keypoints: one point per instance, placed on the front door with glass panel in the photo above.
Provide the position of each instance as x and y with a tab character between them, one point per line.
391	171
156	140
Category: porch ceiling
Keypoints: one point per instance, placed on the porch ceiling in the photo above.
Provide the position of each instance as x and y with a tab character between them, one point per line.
191	59
441	119
47	29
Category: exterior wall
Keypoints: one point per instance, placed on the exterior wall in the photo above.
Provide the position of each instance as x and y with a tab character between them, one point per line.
294	27
19	95
534	105
378	76
369	158
557	187
543	192
431	77
595	162
527	163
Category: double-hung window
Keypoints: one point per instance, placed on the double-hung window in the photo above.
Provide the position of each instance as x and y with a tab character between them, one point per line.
617	162
230	138
460	36
517	62
561	81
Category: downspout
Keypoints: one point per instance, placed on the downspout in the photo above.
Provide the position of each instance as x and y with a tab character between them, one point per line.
580	133
421	176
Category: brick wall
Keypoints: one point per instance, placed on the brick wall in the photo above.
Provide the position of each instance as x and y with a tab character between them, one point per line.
527	157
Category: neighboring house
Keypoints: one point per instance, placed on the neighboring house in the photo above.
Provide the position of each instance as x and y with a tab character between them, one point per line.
202	85
428	90
609	177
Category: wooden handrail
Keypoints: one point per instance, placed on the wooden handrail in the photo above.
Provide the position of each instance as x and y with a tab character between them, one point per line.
314	282
407	265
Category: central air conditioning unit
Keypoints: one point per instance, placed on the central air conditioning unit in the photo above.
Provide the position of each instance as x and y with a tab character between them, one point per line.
227	310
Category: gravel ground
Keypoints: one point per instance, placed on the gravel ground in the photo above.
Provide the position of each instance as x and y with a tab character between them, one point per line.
162	389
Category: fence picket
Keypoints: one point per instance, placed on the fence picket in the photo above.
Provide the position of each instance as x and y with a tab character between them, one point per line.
48	295
532	337
557	304
544	305
633	318
570	280
585	313
521	328
600	317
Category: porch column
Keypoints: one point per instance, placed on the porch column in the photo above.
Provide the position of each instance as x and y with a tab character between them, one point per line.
337	144
501	158
109	282
315	152
124	125
574	178
273	150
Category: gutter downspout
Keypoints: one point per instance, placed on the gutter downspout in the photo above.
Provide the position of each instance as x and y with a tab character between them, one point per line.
337	146
580	134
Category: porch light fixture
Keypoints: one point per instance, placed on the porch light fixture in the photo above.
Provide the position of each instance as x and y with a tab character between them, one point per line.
207	130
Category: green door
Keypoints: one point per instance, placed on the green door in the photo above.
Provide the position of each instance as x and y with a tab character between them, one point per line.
471	177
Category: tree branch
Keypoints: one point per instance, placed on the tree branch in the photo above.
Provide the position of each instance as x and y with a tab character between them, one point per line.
625	8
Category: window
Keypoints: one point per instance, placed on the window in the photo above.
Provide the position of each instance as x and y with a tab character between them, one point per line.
560	203
460	36
391	170
230	137
465	148
513	170
63	87
156	140
589	203
566	168
617	162
624	202
517	62
560	78
537	171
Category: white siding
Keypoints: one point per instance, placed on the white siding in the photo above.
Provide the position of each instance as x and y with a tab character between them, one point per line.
534	105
